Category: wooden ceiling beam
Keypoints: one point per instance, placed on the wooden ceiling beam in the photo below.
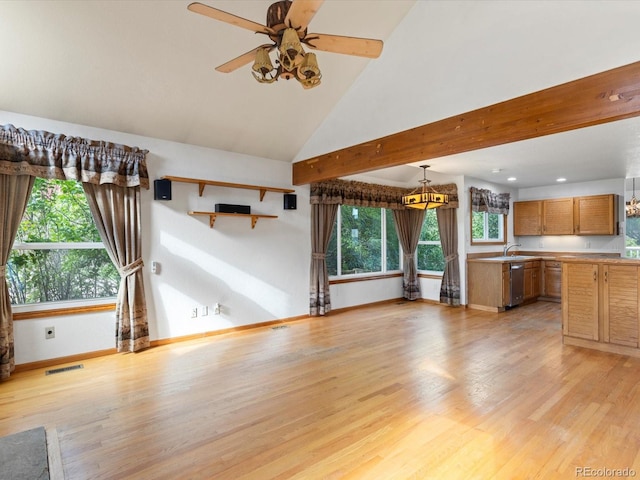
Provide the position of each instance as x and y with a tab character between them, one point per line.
604	97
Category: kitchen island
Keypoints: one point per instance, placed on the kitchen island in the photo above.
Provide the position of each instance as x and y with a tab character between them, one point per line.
600	304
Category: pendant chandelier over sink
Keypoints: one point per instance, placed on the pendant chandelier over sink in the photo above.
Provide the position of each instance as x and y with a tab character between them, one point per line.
427	197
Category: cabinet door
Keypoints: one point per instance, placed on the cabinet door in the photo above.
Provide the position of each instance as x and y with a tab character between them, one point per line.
527	218
536	280
621	304
552	279
580	300
595	215
557	216
531	280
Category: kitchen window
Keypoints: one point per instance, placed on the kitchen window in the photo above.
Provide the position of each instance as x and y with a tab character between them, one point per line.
488	228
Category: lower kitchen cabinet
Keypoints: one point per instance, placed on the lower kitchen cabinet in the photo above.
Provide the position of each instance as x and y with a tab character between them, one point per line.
620	308
488	285
531	280
600	305
580	300
552	279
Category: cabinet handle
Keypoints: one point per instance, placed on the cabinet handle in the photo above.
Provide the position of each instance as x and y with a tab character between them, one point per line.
595	276
605	276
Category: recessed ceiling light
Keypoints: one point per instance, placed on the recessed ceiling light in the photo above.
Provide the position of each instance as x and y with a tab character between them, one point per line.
496	170
561	179
511	179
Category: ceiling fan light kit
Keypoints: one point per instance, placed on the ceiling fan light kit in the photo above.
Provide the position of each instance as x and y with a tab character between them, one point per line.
287	22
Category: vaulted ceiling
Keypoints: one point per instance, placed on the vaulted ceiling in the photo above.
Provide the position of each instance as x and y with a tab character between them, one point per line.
147	68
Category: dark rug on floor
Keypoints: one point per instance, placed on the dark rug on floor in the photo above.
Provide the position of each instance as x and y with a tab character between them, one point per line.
23	456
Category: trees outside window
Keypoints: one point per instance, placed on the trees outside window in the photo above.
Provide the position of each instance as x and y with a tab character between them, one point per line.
429	252
487	227
363	241
57	254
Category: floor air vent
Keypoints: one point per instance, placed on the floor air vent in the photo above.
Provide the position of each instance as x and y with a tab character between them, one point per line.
63	369
278	327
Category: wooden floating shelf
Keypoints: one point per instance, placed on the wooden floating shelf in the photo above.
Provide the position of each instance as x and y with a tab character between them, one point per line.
214	215
202	183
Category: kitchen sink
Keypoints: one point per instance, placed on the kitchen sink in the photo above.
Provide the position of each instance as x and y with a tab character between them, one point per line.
511	258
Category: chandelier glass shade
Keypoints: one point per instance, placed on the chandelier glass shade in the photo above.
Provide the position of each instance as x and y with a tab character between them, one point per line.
427	197
292	61
632	208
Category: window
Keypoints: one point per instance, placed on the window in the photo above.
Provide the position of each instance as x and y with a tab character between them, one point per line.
363	241
488	228
429	252
57	254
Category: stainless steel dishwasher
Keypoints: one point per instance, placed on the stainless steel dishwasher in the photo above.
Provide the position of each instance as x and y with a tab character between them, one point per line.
516	284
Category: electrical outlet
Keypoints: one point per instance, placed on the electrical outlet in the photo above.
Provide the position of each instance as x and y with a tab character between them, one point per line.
216	309
49	332
194	312
204	310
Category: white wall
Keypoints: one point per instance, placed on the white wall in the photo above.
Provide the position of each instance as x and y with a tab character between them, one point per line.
256	275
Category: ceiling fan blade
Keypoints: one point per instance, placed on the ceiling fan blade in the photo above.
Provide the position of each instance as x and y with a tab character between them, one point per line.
301	12
361	47
216	14
242	60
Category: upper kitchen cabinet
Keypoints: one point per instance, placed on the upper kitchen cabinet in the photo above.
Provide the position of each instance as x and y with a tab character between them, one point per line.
589	215
595	215
557	216
527	218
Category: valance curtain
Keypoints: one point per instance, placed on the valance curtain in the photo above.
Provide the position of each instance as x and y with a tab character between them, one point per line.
483	200
103	165
361	194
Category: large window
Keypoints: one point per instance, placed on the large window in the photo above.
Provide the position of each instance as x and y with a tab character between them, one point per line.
363	241
429	253
488	228
57	254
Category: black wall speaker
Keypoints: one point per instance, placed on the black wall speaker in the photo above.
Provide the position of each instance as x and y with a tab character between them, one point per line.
289	201
162	189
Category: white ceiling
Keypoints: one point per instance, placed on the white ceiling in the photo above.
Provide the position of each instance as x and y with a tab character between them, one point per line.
147	68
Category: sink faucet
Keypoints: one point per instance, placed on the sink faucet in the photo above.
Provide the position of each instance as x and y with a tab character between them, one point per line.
507	247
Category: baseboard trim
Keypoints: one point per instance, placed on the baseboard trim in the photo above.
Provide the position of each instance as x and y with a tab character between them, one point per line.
23	367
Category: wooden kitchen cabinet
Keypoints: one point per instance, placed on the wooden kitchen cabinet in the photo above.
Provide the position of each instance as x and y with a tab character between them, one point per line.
580	300
488	285
552	279
557	216
600	304
531	280
588	215
620	307
527	218
595	215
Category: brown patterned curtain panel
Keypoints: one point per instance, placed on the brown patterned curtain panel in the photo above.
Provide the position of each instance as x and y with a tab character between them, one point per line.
115	173
483	200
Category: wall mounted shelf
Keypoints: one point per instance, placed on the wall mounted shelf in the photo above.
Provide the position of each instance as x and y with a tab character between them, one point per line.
203	183
213	215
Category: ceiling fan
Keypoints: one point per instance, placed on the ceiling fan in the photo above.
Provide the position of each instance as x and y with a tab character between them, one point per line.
286	27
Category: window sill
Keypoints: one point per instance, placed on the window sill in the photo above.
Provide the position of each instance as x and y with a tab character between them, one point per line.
364	278
21	313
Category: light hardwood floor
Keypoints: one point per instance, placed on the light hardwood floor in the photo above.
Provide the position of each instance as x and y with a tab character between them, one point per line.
403	390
